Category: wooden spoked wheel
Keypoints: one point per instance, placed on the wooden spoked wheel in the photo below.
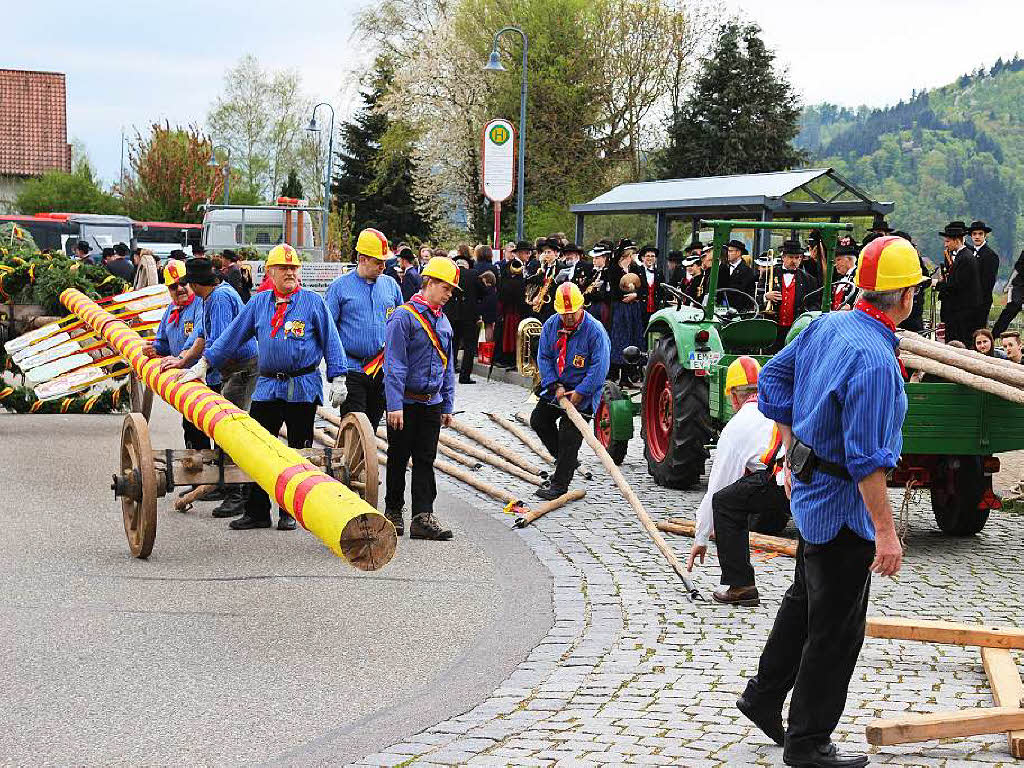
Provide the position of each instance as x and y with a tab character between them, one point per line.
138	499
359	451
140	397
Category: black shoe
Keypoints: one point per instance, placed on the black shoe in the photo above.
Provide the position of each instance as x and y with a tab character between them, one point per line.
550	492
397	520
233	504
466	381
770	723
825	756
218	494
427	527
285	522
245	523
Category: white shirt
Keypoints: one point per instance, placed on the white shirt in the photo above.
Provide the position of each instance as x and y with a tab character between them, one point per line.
740	446
650	276
733	265
787	278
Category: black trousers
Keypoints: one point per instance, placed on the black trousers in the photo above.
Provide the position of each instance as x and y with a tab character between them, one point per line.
560	436
1010	311
194	436
754	502
417	440
817	636
470	336
365	395
959	327
271	414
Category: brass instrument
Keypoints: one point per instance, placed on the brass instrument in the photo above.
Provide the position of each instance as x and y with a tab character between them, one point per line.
539	295
593	285
770	281
527	345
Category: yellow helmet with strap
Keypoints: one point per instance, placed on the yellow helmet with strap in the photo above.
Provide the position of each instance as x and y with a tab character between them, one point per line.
372	243
174	270
742	372
888	263
442	268
283	256
568	298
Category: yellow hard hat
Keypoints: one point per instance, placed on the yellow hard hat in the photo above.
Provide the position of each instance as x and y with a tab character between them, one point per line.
283	256
372	243
888	263
742	372
174	270
568	298
442	268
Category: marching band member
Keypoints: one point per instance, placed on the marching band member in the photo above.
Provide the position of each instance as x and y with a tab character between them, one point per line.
695	282
360	303
574	268
541	282
512	300
676	272
597	293
294	332
959	286
419	381
843	288
179	321
653	277
628	310
738	276
789	290
573	358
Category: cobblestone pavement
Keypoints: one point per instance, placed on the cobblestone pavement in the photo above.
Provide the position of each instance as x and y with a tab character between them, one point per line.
633	673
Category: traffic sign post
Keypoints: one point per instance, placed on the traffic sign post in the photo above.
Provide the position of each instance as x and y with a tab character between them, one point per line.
498	161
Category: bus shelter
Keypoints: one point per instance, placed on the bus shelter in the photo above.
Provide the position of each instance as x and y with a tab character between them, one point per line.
809	194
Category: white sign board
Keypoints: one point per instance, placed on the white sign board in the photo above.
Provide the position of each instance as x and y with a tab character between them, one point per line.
314	275
498	160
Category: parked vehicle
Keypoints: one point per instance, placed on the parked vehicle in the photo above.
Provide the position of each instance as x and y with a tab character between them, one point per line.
162	237
261	227
61	231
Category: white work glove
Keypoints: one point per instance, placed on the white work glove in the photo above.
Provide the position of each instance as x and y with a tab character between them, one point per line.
197	372
338	392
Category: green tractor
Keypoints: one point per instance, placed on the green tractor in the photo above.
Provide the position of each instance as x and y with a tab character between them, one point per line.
950	434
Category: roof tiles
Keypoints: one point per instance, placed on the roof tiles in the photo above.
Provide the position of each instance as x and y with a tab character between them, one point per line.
33	123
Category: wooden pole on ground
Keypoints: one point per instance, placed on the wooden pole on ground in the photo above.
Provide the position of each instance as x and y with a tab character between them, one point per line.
182	503
548	506
778	544
525	438
492	445
629	495
944	725
960	376
1007	689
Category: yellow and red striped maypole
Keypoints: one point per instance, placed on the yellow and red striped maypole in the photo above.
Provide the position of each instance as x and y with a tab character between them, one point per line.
328	509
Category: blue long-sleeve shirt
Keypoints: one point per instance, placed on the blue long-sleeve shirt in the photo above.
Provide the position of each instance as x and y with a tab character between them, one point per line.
220	309
412	364
172	337
588	356
307	336
839	386
360	309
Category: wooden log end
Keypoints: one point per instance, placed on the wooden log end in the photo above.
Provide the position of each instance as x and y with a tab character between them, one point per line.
943	725
368	541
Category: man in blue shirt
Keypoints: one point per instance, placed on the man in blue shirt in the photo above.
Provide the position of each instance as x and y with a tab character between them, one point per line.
573	357
419	384
178	323
235	378
294	333
360	303
411	280
836	394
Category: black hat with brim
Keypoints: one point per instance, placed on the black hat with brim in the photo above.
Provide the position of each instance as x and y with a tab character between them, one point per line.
739	244
674	256
696	245
954	229
689	261
648	249
572	248
792	248
976	225
524	245
847	250
199	271
551	243
880	225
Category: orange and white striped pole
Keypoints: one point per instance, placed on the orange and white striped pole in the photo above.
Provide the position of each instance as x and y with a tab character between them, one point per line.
328	509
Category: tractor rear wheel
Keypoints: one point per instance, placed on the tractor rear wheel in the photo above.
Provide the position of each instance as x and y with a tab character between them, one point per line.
603	423
675	420
959	488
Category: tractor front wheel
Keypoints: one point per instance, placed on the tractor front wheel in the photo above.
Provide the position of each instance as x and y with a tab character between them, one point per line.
675	420
603	423
957	493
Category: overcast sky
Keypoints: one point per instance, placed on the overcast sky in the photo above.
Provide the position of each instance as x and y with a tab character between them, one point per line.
133	63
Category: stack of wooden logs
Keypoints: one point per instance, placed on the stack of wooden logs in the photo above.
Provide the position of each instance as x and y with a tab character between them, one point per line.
993	375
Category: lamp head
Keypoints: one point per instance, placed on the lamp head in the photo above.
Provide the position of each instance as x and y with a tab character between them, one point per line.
212	162
494	62
313	127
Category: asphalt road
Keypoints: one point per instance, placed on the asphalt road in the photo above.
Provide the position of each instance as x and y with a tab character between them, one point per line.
231	647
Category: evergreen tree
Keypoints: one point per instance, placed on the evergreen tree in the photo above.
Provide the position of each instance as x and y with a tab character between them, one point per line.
292	187
743	115
376	177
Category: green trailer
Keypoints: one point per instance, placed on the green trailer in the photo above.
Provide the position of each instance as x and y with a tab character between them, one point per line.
950	434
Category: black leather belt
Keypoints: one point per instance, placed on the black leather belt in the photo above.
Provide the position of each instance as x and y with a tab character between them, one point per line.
285	375
804	462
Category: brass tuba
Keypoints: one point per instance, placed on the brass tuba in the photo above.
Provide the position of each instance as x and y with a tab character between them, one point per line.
527	345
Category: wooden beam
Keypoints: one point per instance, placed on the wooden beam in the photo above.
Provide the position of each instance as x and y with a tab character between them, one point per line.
1007	689
944	725
947	632
783	546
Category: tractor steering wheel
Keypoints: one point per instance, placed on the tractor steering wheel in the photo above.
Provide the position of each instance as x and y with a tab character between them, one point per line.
749	316
679	296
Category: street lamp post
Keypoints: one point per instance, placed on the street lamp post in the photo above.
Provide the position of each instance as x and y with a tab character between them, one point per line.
314	128
226	170
494	65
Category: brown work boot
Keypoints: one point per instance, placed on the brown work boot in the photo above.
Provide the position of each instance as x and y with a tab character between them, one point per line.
426	526
397	520
745	596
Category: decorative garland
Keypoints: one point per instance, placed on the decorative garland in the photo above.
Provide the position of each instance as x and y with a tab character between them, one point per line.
23	400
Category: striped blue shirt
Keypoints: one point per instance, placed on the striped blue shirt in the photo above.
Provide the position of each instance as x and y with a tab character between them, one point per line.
220	309
838	385
360	309
412	364
171	338
307	337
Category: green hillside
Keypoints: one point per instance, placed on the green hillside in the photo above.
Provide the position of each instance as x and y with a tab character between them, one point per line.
956	152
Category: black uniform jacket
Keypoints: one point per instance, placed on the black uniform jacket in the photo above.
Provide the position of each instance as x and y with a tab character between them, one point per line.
988	267
960	287
742	279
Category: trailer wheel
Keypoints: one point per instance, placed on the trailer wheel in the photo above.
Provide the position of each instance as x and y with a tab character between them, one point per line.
603	423
959	487
676	422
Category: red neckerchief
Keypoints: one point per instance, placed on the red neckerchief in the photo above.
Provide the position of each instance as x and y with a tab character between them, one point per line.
281	307
435	309
562	343
885	320
176	312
